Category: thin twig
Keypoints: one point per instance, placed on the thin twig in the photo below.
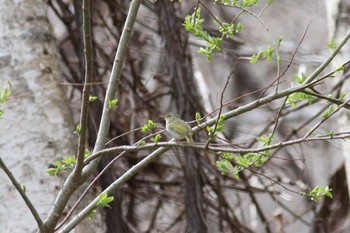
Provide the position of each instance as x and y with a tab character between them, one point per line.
328	60
23	195
326	118
225	148
221	105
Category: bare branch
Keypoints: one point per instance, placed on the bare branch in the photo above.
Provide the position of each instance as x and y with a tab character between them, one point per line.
23	195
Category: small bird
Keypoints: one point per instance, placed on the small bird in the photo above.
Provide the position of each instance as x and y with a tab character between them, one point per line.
178	128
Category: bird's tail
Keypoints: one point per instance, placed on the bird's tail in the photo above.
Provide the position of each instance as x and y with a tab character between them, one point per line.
190	140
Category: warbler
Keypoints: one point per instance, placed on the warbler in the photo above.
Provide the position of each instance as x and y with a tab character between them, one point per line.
178	128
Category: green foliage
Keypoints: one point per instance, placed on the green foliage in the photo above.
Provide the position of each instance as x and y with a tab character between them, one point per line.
331	44
4	94
156	138
69	161
92	98
104	200
220	126
250	159
265	139
330	133
317	193
248	3
149	126
298	97
193	24
267	54
229	29
141	142
112	103
225	166
91	214
60	165
87	153
339	68
77	129
240	3
342	95
300	78
329	111
198	117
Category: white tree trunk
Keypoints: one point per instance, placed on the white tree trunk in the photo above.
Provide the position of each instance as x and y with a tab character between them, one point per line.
339	23
37	127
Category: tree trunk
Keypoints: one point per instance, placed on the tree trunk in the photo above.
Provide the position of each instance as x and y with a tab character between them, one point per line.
37	127
187	102
339	21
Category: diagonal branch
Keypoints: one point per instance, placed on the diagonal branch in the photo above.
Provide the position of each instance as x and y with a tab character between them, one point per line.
23	195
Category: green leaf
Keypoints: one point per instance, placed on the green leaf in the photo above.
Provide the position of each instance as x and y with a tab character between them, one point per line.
318	192
268	53
255	57
220	126
328	112
236	170
92	98
156	138
300	78
198	117
141	142
104	200
112	103
239	27
227	156
248	3
193	24
331	44
225	166
342	95
265	139
330	133
91	214
149	126
69	161
227	29
52	171
340	68
280	40
298	97
242	161
87	153
4	94
77	129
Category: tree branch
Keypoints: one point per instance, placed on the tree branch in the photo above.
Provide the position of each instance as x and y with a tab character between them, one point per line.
23	195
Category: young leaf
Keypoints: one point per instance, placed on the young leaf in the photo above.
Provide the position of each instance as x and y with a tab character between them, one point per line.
112	103
149	126
156	138
91	214
104	200
77	129
92	98
331	44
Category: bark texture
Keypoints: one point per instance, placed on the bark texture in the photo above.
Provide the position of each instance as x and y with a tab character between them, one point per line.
186	103
37	126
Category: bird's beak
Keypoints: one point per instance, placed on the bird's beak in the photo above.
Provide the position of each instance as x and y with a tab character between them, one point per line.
162	116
